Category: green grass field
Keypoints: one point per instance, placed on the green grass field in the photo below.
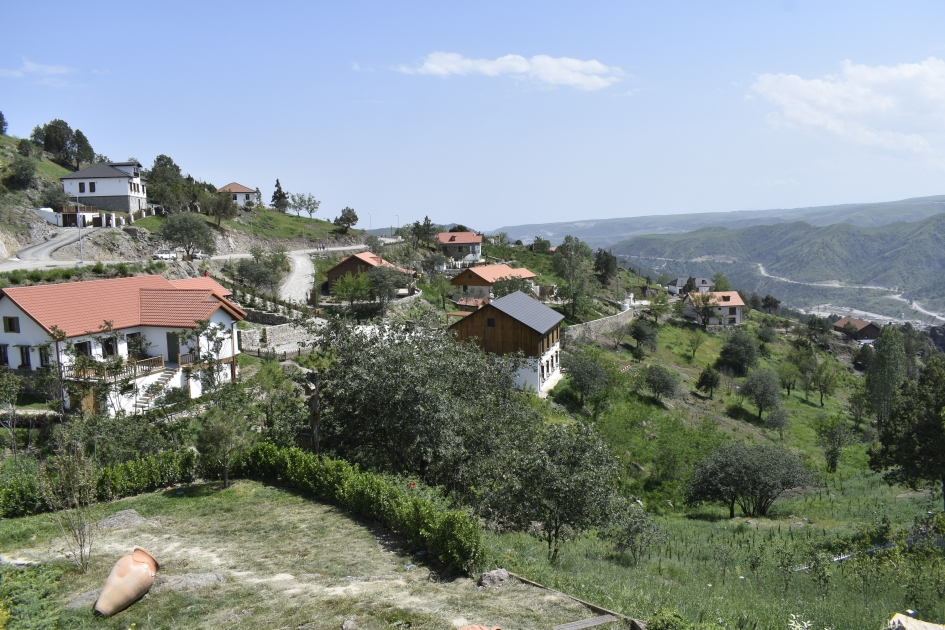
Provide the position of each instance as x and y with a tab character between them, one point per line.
266	224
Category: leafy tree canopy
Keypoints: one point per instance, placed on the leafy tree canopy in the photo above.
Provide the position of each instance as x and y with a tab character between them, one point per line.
3	125
720	282
572	262
510	284
280	200
739	352
763	389
347	219
189	231
662	381
605	265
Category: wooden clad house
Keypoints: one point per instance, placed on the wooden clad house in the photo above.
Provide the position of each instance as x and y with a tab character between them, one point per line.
516	323
359	263
474	285
865	331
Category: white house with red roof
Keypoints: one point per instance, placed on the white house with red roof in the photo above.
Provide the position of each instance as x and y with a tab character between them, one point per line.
139	324
240	194
466	246
725	307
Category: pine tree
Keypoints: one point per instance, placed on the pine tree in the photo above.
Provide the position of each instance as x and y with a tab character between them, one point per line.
280	200
83	150
886	373
3	125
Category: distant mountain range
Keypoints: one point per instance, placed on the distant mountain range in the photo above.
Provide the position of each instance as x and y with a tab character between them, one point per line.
843	263
607	232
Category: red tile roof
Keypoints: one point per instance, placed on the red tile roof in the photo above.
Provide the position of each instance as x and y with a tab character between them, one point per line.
720	298
233	187
459	238
491	273
859	323
81	307
374	261
203	282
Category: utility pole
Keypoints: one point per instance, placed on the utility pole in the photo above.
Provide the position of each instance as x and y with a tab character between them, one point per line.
78	222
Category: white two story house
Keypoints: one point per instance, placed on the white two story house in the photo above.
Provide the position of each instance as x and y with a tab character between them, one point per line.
240	194
148	316
116	186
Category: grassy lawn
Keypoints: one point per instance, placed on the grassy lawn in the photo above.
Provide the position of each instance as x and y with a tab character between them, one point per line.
287	561
267	224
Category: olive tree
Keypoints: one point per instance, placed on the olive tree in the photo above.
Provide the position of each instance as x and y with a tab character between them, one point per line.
739	352
662	381
748	475
585	373
709	380
763	389
833	435
634	532
189	231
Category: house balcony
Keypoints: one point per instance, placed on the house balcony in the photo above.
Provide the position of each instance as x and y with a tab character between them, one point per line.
130	368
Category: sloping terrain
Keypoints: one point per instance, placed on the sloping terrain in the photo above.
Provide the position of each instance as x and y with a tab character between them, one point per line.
605	232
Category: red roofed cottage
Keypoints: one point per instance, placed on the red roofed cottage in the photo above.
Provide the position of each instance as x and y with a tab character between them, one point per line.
147	317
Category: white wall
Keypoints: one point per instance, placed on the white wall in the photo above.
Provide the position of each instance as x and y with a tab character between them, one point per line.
241	198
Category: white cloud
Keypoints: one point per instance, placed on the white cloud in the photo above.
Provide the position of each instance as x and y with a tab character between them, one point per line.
898	107
583	75
30	69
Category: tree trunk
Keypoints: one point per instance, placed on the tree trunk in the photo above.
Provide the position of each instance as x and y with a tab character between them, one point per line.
731	508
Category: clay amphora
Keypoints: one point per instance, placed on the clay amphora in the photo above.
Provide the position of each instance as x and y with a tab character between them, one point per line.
131	577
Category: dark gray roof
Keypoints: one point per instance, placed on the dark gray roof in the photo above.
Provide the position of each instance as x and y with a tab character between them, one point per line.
97	171
704	282
678	282
529	311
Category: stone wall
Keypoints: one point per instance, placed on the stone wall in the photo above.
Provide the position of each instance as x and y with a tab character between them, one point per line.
282	336
262	317
602	325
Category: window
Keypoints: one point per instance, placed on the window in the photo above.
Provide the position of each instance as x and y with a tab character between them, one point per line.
234	196
91	187
465	288
731	321
11	324
109	347
247	197
43	356
4	356
726	298
490	322
81	187
25	358
731	310
84	348
131	187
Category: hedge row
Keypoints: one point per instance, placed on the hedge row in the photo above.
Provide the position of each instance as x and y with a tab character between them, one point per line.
20	496
450	535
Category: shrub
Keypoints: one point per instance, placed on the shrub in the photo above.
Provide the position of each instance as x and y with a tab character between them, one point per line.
668	619
661	381
22	170
739	353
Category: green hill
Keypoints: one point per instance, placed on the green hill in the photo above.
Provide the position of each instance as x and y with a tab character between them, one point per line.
903	258
605	232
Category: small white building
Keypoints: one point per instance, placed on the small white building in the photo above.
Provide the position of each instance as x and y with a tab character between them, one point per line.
725	307
148	316
114	186
239	193
461	245
676	285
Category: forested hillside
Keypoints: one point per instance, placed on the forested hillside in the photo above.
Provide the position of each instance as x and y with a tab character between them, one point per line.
902	257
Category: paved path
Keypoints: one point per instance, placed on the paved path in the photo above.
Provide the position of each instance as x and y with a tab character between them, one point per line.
298	283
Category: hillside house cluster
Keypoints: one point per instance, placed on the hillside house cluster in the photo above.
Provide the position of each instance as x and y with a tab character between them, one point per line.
518	323
358	264
148	316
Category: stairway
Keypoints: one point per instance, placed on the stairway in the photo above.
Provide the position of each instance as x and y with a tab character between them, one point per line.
144	401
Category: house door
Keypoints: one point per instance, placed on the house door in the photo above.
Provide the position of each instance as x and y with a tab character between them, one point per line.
173	347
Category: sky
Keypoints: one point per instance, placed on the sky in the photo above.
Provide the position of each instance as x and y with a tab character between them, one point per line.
500	113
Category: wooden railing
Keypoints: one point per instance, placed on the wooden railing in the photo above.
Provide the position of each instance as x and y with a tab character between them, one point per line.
187	358
134	368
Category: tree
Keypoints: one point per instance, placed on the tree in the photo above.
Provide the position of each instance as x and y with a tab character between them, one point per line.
83	150
222	207
694	339
825	380
689	286
37	136
750	476
770	304
190	232
206	341
787	375
709	380
59	139
280	201
635	532
720	282
164	183
572	262
767	334
739	352
352	287
661	381
778	420
913	437
22	170
803	356
763	389
833	435
374	244
510	284
3	125
384	282
304	202
886	373
585	373
220	438
11	384
646	335
346	220
459	227
561	487
858	404
540	245
53	196
25	148
850	330
257	275
605	266
703	304
659	306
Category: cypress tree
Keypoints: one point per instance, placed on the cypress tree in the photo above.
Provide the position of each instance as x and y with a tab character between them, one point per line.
886	373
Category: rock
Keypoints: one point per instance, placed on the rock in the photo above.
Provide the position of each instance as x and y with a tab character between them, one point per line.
494	578
350	623
125	518
186	582
85	600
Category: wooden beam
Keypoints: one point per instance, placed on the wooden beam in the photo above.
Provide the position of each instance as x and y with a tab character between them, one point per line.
586	623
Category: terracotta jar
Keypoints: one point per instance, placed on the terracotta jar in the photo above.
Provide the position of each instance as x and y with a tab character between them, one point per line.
131	577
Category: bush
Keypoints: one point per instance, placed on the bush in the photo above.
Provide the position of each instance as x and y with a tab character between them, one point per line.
22	170
661	381
767	334
668	619
739	353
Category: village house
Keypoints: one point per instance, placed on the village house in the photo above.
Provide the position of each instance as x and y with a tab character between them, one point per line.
473	287
241	195
726	307
677	286
465	246
357	264
518	322
866	332
116	186
148	316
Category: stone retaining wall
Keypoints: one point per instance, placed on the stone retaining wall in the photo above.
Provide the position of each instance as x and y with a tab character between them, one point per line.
278	336
602	325
262	317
